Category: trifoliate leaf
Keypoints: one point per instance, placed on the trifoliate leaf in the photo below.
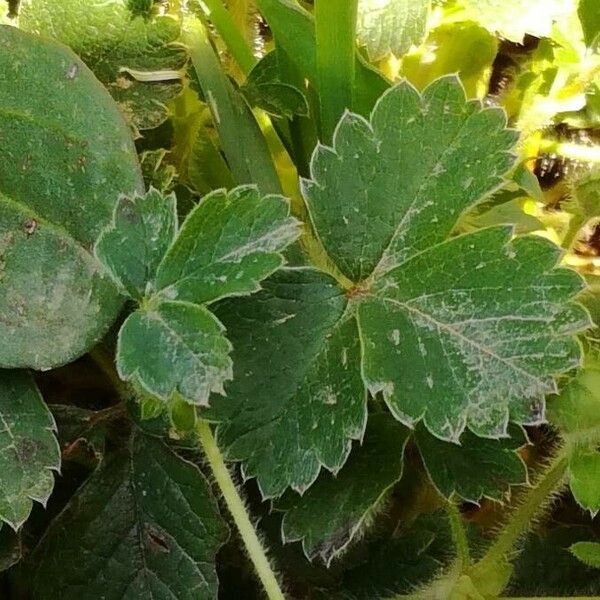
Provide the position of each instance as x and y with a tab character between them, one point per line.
512	19
454	331
334	510
477	467
227	245
174	347
297	398
137	59
145	525
66	156
133	245
587	552
29	451
391	25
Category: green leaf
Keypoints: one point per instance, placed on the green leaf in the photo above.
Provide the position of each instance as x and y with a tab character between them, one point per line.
336	508
133	245
589	15
265	89
576	411
391	26
145	525
115	46
241	139
66	157
227	245
587	552
297	397
508	211
174	347
195	150
457	152
294	32
479	323
512	19
477	467
584	477
464	48
29	451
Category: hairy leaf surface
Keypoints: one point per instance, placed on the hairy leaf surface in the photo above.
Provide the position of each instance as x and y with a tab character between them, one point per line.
134	244
65	157
145	525
29	451
332	512
391	25
297	398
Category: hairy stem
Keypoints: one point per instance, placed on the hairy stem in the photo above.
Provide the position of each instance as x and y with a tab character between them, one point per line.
335	28
238	512
459	534
548	481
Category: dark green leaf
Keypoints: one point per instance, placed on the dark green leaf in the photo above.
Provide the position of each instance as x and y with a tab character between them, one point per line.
477	467
29	451
145	525
133	245
337	507
297	397
457	152
65	158
479	322
173	347
546	568
264	89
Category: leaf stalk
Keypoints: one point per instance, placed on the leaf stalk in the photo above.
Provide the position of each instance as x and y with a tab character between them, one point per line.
238	512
